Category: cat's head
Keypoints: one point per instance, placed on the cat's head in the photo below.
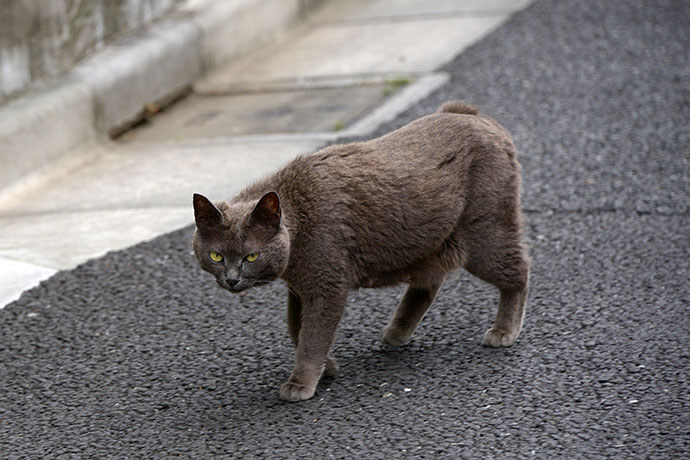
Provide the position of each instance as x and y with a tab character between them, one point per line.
241	244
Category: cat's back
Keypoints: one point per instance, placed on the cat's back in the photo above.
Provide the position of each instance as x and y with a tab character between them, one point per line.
453	134
416	170
433	153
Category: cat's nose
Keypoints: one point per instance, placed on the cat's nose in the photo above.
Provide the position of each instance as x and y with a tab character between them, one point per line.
232	282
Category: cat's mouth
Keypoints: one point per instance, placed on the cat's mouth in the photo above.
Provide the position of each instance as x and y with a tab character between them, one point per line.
243	285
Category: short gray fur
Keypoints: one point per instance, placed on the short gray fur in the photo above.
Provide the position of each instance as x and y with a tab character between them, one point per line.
438	194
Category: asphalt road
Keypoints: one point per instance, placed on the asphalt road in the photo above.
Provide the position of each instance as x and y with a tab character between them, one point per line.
139	355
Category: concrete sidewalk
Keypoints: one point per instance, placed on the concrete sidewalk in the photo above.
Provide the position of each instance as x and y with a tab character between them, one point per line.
350	67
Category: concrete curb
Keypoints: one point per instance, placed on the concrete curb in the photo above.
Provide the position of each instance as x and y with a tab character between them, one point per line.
41	129
124	79
232	28
113	87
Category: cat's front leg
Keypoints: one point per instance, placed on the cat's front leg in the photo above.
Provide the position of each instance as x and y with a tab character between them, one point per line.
294	322
320	315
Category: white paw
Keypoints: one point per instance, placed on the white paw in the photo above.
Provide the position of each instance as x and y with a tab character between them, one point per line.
294	392
497	337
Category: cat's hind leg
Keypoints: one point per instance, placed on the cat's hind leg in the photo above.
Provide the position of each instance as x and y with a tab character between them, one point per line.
503	262
410	311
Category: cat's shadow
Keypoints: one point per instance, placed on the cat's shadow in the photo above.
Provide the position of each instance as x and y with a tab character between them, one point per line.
409	359
367	374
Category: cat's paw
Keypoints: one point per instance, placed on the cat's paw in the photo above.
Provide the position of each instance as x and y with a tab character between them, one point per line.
498	337
294	392
394	337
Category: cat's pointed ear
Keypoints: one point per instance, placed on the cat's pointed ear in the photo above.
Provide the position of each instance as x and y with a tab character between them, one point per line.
206	215
265	218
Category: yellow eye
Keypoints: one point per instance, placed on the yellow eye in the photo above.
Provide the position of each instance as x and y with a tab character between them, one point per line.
252	257
215	256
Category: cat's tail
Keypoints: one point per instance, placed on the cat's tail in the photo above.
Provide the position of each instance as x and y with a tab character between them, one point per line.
458	107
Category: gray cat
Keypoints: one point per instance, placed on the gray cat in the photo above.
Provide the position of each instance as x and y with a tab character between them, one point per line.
409	207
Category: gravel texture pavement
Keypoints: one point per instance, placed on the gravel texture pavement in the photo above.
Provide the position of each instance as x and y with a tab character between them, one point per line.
139	355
